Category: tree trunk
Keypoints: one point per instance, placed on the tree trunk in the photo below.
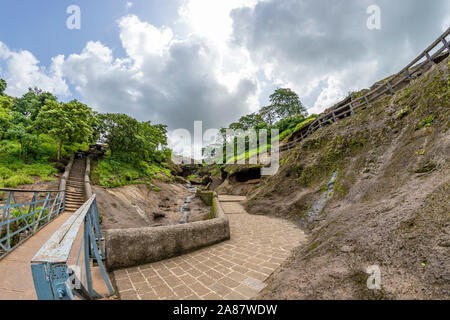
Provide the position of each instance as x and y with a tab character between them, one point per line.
59	150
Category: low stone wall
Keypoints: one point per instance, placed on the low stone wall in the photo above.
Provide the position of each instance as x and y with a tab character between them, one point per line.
131	247
206	196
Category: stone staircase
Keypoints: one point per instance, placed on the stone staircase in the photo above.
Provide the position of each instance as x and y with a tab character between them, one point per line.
75	186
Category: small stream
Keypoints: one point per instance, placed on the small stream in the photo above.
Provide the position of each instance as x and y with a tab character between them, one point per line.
318	206
184	210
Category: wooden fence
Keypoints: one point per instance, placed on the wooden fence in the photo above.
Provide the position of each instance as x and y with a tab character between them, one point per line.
432	55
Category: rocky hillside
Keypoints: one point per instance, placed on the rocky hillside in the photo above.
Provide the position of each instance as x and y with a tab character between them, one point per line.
371	190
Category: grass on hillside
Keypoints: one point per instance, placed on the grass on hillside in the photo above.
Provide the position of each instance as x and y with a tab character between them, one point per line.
15	172
248	154
112	173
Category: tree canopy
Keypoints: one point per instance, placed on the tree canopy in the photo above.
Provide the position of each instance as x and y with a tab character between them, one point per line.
130	139
2	86
66	122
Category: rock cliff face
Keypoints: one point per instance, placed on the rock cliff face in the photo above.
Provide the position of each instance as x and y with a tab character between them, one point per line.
138	206
390	201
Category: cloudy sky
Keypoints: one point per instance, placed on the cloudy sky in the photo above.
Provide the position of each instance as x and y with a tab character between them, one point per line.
176	61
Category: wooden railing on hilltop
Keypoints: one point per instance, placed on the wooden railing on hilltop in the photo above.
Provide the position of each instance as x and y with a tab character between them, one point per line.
345	109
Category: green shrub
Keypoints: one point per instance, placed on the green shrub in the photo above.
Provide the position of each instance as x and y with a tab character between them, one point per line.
17	180
427	122
112	172
402	113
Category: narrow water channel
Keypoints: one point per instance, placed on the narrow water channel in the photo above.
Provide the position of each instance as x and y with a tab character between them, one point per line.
184	210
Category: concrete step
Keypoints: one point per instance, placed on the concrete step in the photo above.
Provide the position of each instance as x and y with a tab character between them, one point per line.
71	183
74	198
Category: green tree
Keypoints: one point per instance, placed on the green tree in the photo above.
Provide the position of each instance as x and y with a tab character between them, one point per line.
67	123
249	121
5	114
284	103
3	86
20	129
31	103
132	140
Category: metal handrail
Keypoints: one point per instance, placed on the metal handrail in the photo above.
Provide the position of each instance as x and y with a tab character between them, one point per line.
20	220
61	274
23	190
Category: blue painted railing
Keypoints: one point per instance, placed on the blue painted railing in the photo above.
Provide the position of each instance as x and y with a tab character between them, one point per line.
25	212
62	268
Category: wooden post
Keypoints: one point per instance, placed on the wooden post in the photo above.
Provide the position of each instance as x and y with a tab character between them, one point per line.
334	116
367	101
408	74
446	44
389	87
429	58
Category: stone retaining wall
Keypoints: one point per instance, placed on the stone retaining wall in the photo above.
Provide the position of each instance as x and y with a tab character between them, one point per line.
131	247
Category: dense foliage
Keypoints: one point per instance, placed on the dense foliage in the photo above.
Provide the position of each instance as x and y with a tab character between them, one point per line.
285	113
37	132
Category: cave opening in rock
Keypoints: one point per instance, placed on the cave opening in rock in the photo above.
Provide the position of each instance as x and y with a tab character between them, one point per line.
247	175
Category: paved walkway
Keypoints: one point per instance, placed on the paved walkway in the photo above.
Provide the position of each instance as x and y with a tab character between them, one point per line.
16	281
234	269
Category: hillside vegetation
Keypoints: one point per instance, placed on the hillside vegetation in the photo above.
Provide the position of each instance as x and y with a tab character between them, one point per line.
39	133
388	206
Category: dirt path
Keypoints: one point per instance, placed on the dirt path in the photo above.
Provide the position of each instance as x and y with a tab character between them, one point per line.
234	269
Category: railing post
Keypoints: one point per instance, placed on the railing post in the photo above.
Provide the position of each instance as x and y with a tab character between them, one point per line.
50	281
388	84
97	227
408	74
33	207
87	255
8	219
429	58
351	109
446	44
334	116
367	101
97	256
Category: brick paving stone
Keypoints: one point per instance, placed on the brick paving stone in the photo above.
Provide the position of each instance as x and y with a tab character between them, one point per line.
228	282
214	274
143	287
194	273
149	296
124	284
133	270
136	277
155	281
199	289
129	295
172	281
212	296
205	280
120	274
163	291
220	289
234	269
236	276
183	291
187	279
234	296
246	291
147	273
177	271
256	275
